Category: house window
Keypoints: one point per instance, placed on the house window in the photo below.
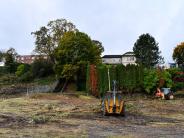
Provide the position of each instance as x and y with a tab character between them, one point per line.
130	58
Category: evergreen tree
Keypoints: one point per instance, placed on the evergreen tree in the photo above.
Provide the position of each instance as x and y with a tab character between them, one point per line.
10	63
147	51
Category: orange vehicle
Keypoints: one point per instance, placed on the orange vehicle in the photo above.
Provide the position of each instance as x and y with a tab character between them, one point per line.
164	93
159	94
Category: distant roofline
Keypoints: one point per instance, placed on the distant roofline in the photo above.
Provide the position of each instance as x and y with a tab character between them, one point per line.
29	55
119	56
112	56
128	53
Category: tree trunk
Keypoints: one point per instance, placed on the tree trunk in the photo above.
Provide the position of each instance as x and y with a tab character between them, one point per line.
64	86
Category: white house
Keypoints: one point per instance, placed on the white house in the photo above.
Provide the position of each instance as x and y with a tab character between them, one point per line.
170	65
112	59
125	59
2	62
128	58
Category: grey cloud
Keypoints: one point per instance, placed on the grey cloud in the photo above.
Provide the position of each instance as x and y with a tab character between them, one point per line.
117	23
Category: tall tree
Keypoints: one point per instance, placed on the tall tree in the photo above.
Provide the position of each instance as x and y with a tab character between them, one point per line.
99	45
75	50
10	60
178	54
48	37
147	51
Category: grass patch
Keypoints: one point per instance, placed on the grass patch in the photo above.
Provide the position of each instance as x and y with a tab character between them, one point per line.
84	97
126	136
45	81
131	108
46	96
161	124
179	94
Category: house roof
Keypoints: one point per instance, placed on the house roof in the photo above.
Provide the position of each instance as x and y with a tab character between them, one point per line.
30	55
128	54
119	56
112	56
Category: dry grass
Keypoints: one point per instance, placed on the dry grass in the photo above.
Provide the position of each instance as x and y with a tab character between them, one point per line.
44	114
54	115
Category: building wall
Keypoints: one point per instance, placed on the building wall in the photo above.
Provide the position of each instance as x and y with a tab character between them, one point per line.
28	59
170	65
1	64
128	60
125	60
111	60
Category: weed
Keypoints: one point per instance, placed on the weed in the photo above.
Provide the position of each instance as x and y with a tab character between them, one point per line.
49	106
41	119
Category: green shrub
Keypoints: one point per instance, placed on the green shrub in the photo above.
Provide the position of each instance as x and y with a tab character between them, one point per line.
10	63
112	72
156	78
8	79
41	119
168	79
129	77
178	78
26	77
42	68
21	69
120	69
178	86
103	85
3	71
81	78
88	78
173	71
150	80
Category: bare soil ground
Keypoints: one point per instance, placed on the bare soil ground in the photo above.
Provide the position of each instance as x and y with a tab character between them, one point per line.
56	115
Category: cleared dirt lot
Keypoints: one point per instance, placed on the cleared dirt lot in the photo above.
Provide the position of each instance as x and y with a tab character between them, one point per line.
56	115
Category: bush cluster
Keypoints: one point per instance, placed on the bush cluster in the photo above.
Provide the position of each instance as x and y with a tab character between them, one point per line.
178	79
38	69
130	78
42	68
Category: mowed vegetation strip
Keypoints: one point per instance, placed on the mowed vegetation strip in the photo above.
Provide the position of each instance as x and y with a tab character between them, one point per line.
80	115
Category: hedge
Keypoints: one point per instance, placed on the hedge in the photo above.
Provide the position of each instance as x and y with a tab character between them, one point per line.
128	77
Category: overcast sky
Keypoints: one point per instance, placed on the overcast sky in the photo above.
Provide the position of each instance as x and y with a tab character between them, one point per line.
116	23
